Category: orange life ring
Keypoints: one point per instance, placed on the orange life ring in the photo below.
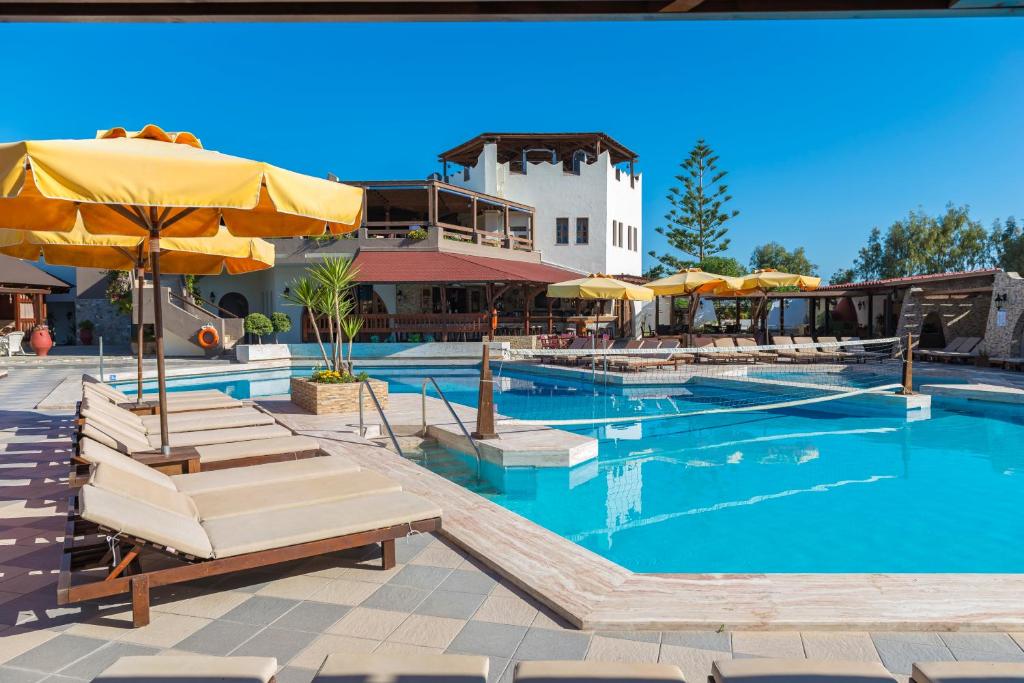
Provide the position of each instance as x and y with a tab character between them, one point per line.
208	337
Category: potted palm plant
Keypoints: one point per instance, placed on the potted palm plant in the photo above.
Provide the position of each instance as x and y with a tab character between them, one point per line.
326	292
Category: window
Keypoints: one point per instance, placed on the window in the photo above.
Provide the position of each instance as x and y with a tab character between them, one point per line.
561	231
582	231
621	225
629	237
615	233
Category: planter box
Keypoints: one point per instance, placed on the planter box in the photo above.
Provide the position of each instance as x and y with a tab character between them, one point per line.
247	353
335	398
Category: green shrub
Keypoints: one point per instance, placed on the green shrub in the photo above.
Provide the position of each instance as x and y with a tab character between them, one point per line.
258	325
335	377
282	322
417	234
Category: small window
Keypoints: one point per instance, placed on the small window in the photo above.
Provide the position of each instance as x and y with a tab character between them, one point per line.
615	233
582	231
561	231
620	235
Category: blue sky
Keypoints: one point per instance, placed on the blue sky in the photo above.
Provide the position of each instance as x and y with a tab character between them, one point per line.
827	128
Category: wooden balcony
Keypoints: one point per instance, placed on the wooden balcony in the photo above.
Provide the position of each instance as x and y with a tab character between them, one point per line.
445	327
398	209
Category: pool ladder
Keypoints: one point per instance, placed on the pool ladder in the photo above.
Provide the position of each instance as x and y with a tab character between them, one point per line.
380	411
447	403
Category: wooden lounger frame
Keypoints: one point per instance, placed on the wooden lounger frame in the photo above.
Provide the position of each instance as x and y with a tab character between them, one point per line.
128	576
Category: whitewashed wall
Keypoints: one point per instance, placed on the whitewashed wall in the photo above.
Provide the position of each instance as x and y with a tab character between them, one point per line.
595	194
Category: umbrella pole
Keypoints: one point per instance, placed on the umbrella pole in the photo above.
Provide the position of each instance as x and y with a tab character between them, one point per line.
158	324
140	273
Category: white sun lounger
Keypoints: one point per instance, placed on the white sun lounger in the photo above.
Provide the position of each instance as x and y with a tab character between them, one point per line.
798	671
967	672
189	669
200	399
403	668
596	672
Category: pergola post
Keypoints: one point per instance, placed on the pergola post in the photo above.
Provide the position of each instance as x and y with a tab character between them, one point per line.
140	273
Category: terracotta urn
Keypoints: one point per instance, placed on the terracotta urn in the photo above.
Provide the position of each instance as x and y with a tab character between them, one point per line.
41	341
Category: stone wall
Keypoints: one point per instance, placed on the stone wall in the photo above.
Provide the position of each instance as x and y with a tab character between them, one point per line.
960	316
336	398
1006	340
519	341
112	325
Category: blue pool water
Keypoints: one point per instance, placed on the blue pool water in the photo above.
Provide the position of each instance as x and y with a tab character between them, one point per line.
833	487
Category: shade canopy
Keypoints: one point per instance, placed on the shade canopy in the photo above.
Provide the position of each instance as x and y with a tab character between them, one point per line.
123	183
769	278
599	287
179	255
693	281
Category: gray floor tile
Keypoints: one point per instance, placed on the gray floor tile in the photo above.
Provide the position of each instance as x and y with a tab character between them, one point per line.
701	640
396	598
275	642
95	663
898	655
57	653
464	581
420	576
260	610
451	604
9	675
218	638
407	553
994	643
988	656
542	643
293	674
642	636
496	667
312	616
60	678
917	637
483	638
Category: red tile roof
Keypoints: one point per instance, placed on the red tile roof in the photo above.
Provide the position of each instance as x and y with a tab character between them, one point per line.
910	279
379	267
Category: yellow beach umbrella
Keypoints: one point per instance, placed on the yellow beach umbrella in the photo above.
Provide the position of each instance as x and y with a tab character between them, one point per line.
599	287
693	281
179	255
769	278
156	184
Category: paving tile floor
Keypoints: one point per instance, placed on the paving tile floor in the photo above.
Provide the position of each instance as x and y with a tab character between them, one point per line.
436	600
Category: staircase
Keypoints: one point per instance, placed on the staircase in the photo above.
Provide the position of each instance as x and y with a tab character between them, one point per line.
183	319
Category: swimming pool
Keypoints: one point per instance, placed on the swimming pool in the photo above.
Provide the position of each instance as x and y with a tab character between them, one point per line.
833	487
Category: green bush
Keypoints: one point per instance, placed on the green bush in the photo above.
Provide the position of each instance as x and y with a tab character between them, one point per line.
282	323
258	325
417	234
335	377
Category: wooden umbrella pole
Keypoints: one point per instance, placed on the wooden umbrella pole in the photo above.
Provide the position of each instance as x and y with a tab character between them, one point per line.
158	324
140	273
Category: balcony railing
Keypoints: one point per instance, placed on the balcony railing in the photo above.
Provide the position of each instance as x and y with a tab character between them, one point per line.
395	208
445	327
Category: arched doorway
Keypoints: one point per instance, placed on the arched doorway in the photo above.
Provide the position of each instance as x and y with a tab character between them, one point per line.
932	335
235	303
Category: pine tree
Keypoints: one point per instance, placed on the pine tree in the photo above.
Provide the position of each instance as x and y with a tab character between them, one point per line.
696	223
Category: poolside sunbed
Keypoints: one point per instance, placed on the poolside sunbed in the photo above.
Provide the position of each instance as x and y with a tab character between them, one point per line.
219	418
404	668
967	672
201	399
190	668
802	670
577	344
968	351
596	672
860	350
746	344
958	345
657	360
215	536
733	353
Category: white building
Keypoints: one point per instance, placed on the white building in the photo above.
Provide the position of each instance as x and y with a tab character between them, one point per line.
583	186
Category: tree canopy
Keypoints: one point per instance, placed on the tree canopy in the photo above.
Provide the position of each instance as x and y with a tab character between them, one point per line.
696	223
1008	245
774	255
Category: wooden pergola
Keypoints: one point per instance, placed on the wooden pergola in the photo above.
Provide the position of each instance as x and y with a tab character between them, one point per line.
23	290
492	10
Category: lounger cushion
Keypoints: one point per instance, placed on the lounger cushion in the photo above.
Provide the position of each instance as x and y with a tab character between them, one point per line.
137	518
96	453
256	449
968	672
798	671
189	669
249	533
110	412
398	668
271	496
270	473
221	418
121	440
603	672
131	485
212	436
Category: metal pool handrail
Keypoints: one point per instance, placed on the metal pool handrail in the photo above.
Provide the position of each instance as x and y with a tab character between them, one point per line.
447	403
380	411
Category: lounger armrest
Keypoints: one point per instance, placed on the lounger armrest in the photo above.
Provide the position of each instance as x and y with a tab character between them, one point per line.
181	460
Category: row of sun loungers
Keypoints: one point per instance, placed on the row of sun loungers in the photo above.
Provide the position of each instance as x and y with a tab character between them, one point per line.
960	349
252	494
451	668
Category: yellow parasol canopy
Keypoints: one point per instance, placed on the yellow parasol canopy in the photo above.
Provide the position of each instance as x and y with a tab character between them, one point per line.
693	281
599	287
132	183
178	255
769	278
